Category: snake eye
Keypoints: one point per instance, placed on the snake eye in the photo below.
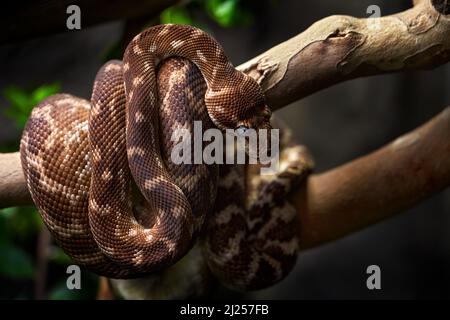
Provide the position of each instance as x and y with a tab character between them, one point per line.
240	130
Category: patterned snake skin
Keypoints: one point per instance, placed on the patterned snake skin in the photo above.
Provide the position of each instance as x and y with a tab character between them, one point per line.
101	176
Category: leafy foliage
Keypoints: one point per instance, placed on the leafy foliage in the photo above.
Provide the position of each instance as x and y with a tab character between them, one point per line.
226	13
177	15
19	225
22	101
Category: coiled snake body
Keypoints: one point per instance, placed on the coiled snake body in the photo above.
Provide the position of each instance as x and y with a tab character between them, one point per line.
101	176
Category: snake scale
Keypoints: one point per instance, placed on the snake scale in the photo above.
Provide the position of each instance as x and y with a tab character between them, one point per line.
100	173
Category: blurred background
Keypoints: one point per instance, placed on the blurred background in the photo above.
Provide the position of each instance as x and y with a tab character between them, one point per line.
337	124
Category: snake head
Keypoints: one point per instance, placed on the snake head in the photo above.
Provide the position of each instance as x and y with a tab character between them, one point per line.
238	103
241	106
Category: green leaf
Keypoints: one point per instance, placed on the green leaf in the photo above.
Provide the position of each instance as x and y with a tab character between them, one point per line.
228	13
22	101
17	97
20	118
224	12
45	91
15	263
177	15
9	212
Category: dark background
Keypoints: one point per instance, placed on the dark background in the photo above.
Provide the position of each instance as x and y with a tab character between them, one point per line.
337	124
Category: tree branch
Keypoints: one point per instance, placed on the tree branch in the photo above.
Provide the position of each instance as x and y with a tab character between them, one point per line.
339	48
377	186
13	188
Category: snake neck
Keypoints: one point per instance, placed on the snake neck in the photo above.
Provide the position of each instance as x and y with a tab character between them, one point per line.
163	41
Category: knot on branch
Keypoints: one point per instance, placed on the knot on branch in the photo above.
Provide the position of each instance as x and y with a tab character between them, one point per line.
260	69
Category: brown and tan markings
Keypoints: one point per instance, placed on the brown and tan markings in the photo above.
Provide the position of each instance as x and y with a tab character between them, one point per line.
101	176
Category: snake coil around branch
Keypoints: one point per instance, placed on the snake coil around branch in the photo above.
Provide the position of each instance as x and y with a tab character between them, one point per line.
101	176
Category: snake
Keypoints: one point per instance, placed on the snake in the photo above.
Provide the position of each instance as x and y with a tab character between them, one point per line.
100	174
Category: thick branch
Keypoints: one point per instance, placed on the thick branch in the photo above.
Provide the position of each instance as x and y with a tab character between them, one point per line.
13	189
340	48
43	17
377	186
